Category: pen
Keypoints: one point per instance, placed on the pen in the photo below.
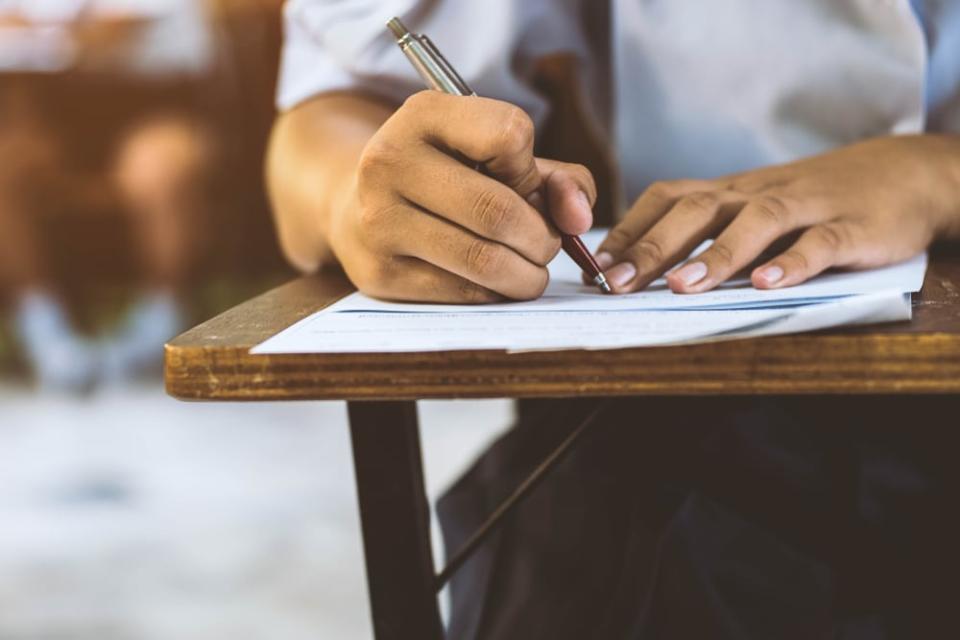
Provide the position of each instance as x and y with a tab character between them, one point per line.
441	76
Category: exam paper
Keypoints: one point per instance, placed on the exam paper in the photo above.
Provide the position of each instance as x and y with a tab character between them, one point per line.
377	332
573	316
566	292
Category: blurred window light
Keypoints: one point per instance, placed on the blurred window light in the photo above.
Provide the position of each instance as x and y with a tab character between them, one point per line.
36	49
43	11
39	35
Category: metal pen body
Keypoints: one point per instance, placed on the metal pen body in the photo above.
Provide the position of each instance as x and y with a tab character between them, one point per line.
429	62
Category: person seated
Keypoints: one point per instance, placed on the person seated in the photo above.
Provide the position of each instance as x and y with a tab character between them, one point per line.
800	137
157	168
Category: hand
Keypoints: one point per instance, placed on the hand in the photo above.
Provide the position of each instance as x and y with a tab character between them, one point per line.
866	205
422	224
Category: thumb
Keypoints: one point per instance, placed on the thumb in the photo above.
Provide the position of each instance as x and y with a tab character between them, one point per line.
570	193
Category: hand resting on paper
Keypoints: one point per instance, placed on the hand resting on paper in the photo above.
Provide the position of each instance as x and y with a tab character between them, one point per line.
866	205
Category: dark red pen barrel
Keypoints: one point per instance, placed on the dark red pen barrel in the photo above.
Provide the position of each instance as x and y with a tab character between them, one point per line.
574	247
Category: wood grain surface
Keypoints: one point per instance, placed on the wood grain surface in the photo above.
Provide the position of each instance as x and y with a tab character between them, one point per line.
212	361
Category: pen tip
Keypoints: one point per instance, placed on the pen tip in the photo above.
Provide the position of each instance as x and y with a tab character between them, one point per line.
601	281
397	27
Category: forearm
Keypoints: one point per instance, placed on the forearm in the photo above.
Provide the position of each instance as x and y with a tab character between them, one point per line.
950	177
311	169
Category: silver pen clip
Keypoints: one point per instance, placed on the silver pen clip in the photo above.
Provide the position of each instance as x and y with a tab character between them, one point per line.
441	61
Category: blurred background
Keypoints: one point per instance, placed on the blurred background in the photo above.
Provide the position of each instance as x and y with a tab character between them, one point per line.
132	135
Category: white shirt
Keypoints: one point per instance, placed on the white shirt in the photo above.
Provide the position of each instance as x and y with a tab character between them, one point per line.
175	40
682	88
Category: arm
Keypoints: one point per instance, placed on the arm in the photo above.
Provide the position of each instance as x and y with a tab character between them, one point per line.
311	162
392	196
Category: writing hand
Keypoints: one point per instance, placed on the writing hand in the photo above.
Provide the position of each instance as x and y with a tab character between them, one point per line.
422	224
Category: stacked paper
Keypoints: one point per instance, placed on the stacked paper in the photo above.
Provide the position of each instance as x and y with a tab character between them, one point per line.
573	316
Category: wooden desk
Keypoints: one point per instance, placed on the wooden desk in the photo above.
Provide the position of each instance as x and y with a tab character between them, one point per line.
211	362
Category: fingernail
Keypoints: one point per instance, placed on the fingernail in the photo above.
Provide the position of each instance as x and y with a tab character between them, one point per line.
622	274
772	274
691	274
604	259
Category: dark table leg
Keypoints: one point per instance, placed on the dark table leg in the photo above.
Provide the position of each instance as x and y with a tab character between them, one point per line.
395	516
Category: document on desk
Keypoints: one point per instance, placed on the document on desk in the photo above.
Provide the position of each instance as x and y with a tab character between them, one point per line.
572	316
566	292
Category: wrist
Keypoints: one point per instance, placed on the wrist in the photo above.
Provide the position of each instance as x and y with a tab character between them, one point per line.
312	166
297	201
332	227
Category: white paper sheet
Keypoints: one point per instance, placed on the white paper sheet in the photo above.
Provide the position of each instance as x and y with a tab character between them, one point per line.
377	332
567	293
572	316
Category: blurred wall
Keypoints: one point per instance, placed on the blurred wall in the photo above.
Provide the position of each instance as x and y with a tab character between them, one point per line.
88	245
89	111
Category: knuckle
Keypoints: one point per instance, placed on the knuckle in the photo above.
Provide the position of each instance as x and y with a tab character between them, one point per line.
492	214
483	258
471	293
420	100
618	237
701	201
649	250
830	236
528	181
369	216
721	254
798	258
378	159
661	190
750	183
518	130
770	210
372	218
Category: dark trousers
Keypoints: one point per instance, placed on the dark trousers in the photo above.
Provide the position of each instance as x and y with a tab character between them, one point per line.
739	518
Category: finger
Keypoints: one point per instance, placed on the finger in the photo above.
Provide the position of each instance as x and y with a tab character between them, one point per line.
496	134
413	280
656	201
438	183
760	223
571	195
488	264
692	219
820	247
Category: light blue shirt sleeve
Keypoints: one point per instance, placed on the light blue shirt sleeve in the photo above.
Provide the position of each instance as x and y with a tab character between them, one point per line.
941	26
